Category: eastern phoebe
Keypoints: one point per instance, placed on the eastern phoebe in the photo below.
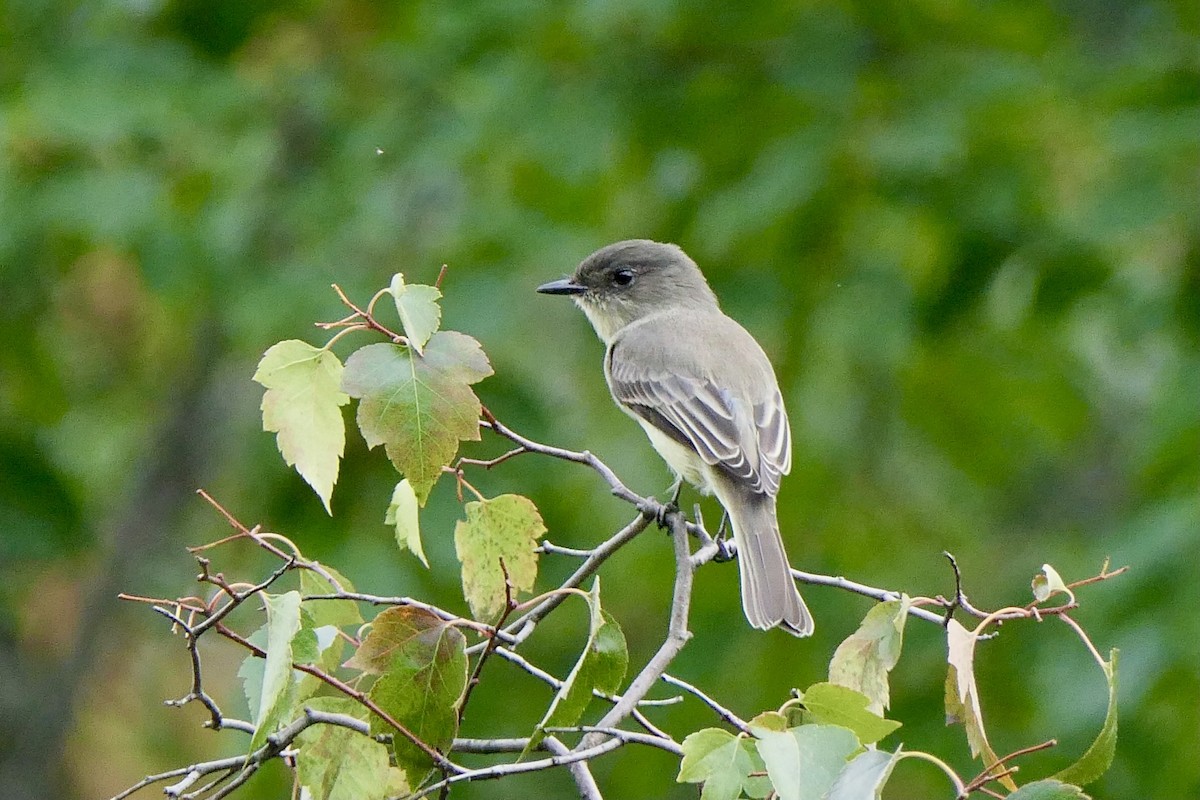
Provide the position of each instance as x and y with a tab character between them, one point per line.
705	393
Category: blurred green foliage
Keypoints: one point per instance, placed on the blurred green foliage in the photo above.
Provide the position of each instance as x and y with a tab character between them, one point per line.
967	233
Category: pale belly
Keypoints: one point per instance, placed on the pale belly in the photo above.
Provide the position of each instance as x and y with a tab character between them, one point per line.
682	460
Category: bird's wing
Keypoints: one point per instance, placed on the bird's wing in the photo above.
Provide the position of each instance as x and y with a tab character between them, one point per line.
750	442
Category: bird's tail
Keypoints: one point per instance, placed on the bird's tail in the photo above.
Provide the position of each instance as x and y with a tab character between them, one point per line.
769	595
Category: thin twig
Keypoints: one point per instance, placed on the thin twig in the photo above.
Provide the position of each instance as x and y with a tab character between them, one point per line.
723	712
990	773
492	641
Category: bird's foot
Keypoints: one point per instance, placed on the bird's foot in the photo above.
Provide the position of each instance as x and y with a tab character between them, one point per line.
661	513
723	552
721	538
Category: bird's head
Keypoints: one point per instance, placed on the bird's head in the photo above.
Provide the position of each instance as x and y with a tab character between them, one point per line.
629	280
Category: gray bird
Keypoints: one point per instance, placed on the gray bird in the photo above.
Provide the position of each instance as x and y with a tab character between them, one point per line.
706	395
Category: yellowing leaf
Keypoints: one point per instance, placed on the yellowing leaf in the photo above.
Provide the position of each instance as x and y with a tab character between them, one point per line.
402	515
418	407
418	308
962	695
1047	583
505	528
862	662
301	406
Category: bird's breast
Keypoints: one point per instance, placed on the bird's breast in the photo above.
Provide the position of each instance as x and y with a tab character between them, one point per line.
682	460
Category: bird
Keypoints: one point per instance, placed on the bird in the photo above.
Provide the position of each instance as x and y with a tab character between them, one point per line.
705	394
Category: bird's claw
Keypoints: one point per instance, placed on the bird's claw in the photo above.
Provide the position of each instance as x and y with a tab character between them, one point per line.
661	513
723	552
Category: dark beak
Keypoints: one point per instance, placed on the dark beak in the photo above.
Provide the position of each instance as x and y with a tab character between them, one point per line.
562	286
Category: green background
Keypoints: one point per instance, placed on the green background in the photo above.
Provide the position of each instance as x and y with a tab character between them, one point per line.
966	233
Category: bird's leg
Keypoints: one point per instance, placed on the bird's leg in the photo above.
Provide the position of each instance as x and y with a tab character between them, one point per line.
722	540
676	490
660	511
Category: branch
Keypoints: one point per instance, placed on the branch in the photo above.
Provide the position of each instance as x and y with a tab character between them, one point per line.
248	764
722	712
438	758
677	634
519	767
584	782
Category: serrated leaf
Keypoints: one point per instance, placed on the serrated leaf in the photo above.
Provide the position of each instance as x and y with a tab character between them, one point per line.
424	665
864	777
419	407
862	662
301	406
417	305
503	528
1048	789
1099	756
339	613
390	633
276	702
803	762
721	761
830	704
962	695
401	514
601	666
335	763
1048	582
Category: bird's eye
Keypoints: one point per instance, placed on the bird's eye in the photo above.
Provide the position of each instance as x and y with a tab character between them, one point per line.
623	277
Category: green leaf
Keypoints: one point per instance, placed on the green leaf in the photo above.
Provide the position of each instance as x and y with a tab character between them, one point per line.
252	670
803	762
276	701
1048	582
863	778
1099	756
302	407
601	666
830	704
336	763
402	515
862	662
419	311
962	695
339	613
418	407
505	528
721	761
323	649
424	672
1048	789
771	721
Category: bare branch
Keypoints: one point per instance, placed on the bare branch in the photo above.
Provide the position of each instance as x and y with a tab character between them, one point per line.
588	790
677	634
723	712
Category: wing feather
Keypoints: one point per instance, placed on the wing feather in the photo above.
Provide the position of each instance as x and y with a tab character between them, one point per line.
749	443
